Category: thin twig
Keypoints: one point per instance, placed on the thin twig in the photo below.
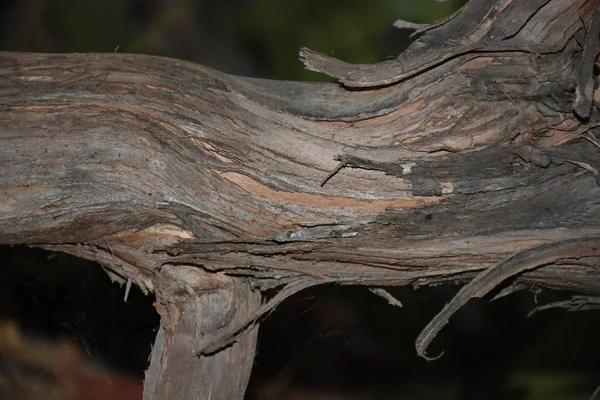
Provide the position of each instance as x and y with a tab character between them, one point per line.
232	334
337	169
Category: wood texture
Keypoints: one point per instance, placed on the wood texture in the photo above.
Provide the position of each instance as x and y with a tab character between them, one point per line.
426	169
175	373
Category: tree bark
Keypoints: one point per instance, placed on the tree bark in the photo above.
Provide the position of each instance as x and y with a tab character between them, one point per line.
173	374
471	154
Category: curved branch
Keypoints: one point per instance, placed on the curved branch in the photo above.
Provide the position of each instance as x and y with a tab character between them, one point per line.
456	156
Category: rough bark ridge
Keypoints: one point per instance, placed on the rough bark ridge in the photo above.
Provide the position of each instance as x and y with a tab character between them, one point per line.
472	151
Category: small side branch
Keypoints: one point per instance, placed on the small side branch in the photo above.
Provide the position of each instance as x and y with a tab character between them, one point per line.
231	335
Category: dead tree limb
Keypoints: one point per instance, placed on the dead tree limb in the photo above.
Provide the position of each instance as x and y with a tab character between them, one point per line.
474	148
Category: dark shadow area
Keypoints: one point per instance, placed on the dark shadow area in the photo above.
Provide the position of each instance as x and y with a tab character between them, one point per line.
65	329
346	343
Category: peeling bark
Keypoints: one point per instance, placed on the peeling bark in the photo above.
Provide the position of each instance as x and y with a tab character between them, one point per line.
176	373
474	146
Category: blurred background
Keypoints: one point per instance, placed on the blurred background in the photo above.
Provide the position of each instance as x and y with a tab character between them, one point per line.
67	333
246	37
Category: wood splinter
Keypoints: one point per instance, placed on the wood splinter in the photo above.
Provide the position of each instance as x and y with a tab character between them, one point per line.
485	282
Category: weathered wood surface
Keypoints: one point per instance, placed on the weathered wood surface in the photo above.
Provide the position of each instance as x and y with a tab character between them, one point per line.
174	373
426	169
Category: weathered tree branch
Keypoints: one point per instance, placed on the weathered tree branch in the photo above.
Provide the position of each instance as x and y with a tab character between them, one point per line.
200	186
